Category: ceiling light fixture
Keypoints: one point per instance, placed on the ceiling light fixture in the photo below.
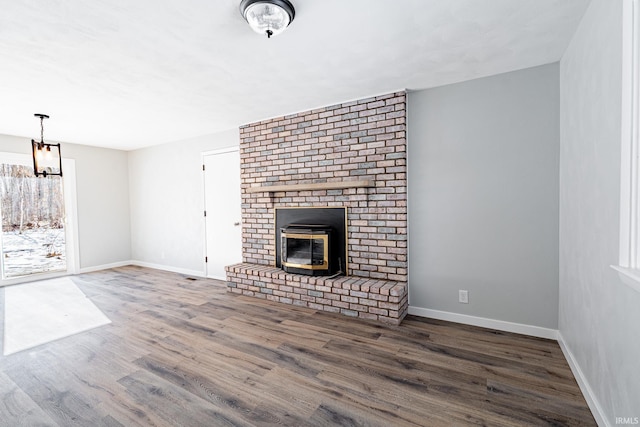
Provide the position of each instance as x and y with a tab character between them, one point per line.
47	160
270	17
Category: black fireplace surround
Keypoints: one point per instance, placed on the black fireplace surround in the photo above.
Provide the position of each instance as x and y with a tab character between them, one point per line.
311	241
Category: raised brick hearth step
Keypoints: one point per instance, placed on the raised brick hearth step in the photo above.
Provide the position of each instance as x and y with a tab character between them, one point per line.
382	300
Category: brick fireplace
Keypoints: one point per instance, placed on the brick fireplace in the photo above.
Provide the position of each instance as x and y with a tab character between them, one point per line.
351	155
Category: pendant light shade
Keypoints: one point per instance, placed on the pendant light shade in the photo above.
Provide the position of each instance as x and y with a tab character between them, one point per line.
47	160
269	17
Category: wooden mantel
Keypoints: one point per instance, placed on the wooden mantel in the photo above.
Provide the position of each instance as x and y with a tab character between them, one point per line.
334	185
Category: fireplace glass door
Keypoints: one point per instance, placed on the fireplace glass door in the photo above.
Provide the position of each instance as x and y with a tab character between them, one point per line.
305	248
305	251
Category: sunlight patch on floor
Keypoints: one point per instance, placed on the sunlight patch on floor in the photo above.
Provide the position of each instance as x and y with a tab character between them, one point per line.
41	312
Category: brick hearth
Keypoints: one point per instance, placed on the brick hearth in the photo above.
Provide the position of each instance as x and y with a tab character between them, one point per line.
354	142
381	300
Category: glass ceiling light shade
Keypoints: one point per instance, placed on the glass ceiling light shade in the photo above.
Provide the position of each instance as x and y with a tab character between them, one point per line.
47	160
270	17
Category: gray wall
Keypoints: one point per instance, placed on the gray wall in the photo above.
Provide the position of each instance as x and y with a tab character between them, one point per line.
167	202
599	314
102	196
483	197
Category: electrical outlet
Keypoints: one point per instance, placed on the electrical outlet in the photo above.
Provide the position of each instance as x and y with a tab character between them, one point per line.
463	296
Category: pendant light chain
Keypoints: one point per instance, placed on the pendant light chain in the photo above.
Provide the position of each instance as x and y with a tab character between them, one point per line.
41	129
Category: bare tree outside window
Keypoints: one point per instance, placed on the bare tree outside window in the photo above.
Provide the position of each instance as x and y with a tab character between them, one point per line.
33	235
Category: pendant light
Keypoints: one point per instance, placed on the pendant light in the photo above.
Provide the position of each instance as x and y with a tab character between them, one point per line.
270	17
47	160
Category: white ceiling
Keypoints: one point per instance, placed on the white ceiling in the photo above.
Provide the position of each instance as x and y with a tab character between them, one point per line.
128	74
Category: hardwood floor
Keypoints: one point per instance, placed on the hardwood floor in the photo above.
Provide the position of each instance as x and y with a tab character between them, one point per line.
186	352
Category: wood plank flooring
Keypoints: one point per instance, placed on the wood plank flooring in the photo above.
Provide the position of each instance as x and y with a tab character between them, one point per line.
183	352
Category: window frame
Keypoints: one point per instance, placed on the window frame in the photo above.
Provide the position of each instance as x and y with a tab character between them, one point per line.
629	255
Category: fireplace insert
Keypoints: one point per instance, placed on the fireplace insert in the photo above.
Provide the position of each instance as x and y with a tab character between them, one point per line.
315	241
306	249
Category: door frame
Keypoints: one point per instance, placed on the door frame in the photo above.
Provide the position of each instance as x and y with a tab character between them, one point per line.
71	215
224	150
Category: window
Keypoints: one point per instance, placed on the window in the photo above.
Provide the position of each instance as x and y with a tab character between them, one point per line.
629	262
49	224
33	237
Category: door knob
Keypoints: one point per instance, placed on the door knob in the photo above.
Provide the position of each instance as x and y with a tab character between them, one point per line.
235	224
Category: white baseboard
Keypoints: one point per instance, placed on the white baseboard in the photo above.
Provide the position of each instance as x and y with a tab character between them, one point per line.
587	392
500	325
104	266
185	271
144	264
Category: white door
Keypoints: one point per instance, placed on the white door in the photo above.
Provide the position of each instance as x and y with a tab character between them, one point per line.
222	210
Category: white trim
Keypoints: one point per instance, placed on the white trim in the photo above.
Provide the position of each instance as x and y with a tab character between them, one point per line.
184	271
629	250
105	266
224	150
33	278
204	207
500	325
629	145
588	393
629	276
71	215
